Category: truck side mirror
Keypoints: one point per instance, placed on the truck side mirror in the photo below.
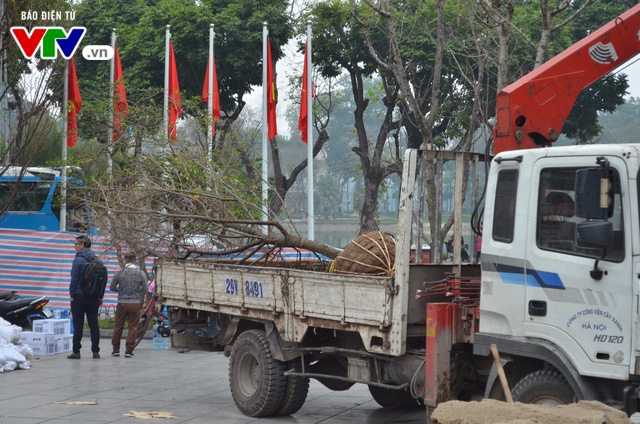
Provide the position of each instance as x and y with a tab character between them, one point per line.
593	193
594	200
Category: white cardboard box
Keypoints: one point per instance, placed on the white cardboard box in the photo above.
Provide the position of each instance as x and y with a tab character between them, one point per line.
43	349
32	337
63	343
59	327
42	344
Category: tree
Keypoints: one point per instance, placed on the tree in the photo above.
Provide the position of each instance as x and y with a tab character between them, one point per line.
25	94
141	41
282	184
339	46
158	204
439	69
448	71
544	30
29	101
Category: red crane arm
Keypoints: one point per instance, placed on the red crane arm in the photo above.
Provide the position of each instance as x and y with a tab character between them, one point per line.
532	110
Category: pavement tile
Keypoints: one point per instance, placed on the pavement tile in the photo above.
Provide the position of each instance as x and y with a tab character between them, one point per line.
193	385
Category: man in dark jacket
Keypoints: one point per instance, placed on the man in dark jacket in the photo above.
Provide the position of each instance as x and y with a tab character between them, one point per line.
81	304
130	283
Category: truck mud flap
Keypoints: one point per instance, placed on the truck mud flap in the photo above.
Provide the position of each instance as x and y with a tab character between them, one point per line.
194	342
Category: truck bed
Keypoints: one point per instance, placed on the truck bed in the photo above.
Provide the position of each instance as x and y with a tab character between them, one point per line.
293	299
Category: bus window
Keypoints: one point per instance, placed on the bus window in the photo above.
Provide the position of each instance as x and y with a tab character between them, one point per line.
27	196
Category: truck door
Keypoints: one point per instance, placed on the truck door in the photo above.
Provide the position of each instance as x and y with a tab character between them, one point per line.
589	320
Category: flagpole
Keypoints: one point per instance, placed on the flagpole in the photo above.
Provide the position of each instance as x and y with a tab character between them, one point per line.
265	129
210	99
65	132
166	81
310	134
111	83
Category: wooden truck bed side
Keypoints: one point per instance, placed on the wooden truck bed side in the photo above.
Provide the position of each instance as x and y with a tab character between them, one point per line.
293	299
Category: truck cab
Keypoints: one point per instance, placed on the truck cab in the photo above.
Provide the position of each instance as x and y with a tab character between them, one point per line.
547	288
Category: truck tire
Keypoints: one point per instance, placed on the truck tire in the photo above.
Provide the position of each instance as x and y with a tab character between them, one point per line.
295	394
256	380
392	399
544	387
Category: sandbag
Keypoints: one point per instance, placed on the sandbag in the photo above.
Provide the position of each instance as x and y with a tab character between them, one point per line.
369	254
25	350
10	333
10	353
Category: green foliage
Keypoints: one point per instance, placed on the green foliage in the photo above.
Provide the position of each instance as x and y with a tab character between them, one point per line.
141	40
338	41
47	146
605	96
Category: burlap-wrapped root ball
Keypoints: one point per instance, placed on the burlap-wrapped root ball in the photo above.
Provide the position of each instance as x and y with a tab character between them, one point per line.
369	254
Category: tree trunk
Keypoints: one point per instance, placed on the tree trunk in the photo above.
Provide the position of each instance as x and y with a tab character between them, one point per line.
368	214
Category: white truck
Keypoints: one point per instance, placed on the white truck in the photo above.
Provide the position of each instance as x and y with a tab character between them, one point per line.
559	297
558	292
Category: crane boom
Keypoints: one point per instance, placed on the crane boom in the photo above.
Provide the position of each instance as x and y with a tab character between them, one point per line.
532	110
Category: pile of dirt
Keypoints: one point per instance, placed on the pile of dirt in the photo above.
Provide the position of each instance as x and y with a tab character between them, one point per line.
490	411
369	254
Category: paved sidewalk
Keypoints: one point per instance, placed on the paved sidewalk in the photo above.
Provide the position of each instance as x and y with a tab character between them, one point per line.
193	386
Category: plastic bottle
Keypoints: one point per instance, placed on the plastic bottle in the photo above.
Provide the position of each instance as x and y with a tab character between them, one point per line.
160	342
156	337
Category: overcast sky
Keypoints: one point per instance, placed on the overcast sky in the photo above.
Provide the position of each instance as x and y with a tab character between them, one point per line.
633	73
292	64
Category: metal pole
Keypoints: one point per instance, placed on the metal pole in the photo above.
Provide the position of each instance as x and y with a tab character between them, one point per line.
436	251
419	219
4	92
210	88
3	111
111	83
265	130
457	213
475	183
166	81
310	134
65	109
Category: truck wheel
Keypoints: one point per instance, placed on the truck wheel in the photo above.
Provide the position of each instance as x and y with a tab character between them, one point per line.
392	399
256	379
295	394
544	387
336	385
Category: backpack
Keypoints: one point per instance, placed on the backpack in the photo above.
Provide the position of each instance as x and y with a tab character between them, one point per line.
94	280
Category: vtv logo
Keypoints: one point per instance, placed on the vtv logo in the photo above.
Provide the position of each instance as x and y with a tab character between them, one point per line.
49	39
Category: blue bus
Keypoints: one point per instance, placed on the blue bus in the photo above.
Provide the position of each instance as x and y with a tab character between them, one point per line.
30	199
35	256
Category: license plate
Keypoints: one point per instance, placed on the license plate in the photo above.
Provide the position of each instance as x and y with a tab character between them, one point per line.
47	312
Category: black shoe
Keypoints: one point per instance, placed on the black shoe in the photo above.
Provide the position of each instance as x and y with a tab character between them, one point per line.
96	355
74	355
115	352
128	354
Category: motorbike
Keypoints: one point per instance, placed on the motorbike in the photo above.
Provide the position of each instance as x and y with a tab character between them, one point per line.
7	295
22	311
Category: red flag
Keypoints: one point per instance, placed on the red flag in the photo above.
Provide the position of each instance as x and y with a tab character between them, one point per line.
120	105
302	123
216	95
271	96
175	107
75	104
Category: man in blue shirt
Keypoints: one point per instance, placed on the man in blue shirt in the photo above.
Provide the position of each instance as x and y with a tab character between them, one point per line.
82	304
